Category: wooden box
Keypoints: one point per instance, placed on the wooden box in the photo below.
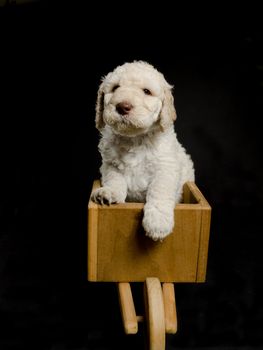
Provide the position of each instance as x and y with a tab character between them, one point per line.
119	251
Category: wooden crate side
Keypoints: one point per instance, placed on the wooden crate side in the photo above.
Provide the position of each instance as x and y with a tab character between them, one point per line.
196	194
92	241
188	196
96	184
193	193
204	244
184	249
126	254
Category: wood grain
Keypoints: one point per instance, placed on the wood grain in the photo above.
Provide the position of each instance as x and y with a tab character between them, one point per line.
92	241
193	193
169	308
128	313
154	313
204	243
119	251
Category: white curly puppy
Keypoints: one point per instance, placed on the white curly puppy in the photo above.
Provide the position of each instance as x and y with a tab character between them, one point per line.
142	160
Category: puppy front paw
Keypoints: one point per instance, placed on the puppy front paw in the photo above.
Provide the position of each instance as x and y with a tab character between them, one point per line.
157	224
107	195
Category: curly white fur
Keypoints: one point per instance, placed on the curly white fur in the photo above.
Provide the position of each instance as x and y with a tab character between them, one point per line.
142	159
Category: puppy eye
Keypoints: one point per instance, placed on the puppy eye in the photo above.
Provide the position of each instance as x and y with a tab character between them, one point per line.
115	87
147	91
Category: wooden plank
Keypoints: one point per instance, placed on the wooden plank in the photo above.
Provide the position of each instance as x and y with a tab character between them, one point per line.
196	194
204	243
96	184
126	254
128	313
187	197
92	241
169	308
192	193
154	312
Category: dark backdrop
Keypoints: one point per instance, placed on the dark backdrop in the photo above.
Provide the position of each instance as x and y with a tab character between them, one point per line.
52	59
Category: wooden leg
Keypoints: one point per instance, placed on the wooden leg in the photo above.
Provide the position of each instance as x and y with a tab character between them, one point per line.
128	313
154	312
169	308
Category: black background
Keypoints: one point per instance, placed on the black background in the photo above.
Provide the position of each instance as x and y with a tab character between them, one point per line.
52	59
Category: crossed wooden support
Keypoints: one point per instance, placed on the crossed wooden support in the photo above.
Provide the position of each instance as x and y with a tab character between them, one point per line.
160	311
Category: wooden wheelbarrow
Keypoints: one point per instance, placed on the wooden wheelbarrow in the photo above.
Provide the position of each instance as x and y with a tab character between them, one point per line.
119	251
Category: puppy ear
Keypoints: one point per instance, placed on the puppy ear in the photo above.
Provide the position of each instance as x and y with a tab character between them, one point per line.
99	109
168	113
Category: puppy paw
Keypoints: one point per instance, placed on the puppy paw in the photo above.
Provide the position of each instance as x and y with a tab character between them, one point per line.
107	195
157	224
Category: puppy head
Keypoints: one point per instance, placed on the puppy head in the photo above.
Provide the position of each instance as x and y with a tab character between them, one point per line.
135	99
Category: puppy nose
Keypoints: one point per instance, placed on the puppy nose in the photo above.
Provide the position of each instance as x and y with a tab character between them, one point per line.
123	107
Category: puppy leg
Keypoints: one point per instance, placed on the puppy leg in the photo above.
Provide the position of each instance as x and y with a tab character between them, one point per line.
114	189
162	195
